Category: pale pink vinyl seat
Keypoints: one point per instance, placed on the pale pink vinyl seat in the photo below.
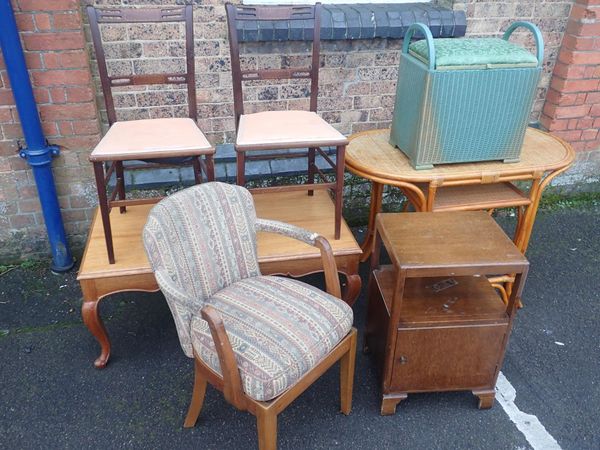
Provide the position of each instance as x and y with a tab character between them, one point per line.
152	138
286	129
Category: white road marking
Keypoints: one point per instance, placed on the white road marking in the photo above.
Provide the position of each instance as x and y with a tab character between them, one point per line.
528	424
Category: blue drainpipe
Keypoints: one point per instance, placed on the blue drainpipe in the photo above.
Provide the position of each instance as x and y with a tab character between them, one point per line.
37	153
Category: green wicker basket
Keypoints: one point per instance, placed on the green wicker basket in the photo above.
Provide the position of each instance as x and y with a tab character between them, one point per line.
464	100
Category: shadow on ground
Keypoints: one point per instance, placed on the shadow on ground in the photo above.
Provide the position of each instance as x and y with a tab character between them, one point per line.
52	397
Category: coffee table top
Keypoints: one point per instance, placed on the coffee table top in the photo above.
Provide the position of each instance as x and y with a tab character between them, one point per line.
370	155
448	243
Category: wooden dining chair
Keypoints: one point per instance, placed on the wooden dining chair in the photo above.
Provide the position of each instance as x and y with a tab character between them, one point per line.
283	130
261	340
156	142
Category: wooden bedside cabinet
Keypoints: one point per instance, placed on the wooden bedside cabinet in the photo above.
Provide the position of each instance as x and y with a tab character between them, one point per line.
434	322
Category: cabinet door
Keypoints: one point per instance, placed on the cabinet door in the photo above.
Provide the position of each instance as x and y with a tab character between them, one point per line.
447	358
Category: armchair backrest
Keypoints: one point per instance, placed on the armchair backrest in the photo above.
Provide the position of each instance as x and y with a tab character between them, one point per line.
199	241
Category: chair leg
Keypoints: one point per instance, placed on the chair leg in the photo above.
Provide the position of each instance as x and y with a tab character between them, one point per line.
311	168
197	398
197	169
339	187
266	423
210	168
347	364
241	168
120	183
104	212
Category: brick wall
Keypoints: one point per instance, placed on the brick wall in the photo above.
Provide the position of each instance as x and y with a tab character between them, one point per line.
572	109
54	44
357	85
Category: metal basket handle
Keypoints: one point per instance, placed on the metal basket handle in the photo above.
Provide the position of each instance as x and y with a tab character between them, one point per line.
539	40
428	36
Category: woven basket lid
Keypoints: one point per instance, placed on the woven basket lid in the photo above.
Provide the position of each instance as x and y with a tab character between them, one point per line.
475	53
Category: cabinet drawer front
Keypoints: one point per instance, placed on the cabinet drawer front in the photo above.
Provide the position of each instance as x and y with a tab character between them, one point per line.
447	358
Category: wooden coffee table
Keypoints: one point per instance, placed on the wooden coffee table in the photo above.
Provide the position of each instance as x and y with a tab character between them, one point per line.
278	255
466	186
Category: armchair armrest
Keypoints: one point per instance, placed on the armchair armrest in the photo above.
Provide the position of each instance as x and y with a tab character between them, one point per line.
232	382
332	282
168	287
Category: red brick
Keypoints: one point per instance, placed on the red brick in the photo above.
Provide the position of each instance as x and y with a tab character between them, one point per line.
576	57
41	95
87	126
570	136
50	129
42	22
572	42
78	142
581	12
566	112
592	145
553	124
68	21
66	40
28	206
48	5
65	128
22	221
6	97
597	123
58	95
590	71
578	145
79	94
583	29
67	111
566	70
573	124
592	98
25	22
17	163
585	123
561	99
589	135
574	85
66	60
61	77
595	111
33	60
5	115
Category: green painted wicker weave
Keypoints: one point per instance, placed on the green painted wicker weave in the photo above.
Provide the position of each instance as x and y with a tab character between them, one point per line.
468	102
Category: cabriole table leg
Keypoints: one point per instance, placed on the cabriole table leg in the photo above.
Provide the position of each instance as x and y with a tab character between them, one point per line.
92	320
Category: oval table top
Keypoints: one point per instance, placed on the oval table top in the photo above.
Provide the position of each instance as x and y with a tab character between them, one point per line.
370	155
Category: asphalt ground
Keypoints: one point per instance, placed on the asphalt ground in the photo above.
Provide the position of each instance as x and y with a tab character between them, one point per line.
52	397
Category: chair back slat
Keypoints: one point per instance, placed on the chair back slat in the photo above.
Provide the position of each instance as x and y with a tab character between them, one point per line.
143	15
279	12
149	15
277	74
240	13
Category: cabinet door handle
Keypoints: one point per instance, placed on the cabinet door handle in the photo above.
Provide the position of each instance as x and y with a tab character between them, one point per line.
402	360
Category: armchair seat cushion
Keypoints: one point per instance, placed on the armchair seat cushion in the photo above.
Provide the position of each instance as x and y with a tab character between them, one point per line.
279	329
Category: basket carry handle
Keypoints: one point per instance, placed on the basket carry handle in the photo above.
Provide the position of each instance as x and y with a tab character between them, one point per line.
418	26
539	40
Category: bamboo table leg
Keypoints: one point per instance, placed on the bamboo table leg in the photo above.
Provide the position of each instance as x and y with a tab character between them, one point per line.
376	199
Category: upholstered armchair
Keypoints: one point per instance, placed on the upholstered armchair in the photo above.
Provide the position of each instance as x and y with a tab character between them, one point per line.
261	340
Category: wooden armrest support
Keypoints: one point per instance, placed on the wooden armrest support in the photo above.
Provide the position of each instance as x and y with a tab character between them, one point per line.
332	281
232	383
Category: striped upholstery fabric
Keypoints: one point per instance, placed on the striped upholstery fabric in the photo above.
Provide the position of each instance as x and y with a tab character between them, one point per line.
199	241
279	329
